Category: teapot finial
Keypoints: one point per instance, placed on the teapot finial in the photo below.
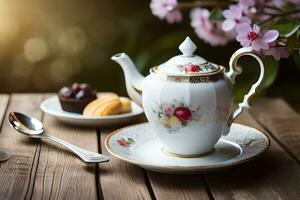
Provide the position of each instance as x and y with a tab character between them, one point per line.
187	47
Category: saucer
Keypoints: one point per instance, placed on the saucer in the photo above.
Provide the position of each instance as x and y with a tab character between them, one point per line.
138	145
52	106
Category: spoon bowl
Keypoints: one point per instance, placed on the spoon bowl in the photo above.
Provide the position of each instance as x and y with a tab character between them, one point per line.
25	124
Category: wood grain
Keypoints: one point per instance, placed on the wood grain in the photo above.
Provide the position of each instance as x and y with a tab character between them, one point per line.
121	180
274	175
282	121
166	186
17	173
43	170
3	106
61	174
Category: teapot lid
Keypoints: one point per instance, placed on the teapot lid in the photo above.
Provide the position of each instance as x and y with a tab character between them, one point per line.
187	63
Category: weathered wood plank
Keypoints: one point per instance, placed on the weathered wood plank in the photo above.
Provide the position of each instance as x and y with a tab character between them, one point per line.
17	173
60	174
281	120
274	175
167	186
121	180
3	106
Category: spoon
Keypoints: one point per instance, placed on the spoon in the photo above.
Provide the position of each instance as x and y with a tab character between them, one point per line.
34	129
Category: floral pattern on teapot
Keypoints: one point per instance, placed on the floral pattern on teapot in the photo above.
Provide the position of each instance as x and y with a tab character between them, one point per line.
176	115
195	68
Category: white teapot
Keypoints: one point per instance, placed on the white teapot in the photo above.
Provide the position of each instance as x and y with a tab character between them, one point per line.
187	99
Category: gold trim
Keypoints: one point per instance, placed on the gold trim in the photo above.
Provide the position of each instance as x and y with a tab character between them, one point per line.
191	168
186	156
190	78
155	70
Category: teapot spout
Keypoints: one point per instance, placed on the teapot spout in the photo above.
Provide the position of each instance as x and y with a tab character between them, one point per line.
133	78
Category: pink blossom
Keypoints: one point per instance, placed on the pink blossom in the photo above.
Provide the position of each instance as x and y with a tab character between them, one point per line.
168	110
245	4
277	51
166	9
210	32
252	37
234	16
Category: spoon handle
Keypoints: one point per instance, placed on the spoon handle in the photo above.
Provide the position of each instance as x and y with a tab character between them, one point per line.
85	155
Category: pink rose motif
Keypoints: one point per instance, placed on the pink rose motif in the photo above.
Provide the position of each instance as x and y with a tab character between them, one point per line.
123	143
168	110
184	114
192	68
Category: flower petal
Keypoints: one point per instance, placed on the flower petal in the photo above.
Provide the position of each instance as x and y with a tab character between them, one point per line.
256	28
259	44
245	43
270	36
243	28
174	16
228	25
241	37
227	14
284	53
243	40
246	3
245	20
236	11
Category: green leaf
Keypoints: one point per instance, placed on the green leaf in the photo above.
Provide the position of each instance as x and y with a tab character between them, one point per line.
288	7
271	71
216	14
287	29
131	141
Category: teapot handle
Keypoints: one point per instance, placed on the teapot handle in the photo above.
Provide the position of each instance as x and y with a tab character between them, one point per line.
236	70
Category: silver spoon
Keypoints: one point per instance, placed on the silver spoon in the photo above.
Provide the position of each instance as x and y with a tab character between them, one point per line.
34	129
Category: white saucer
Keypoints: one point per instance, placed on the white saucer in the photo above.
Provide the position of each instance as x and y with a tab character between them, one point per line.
52	106
138	145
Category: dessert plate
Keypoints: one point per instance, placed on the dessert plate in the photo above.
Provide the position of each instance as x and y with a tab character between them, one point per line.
138	145
52	106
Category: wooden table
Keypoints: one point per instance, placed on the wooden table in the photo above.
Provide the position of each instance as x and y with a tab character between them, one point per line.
41	170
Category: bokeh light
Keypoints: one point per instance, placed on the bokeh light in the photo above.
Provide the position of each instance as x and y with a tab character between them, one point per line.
35	49
72	40
62	70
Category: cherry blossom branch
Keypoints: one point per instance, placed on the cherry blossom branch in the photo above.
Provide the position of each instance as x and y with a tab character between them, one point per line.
208	3
273	16
282	14
273	8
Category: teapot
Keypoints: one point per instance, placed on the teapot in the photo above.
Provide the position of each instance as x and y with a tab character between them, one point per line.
188	100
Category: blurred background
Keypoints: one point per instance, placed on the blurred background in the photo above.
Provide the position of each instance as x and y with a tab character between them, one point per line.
47	44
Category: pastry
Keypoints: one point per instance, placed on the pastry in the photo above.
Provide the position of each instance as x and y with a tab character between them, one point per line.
75	98
107	104
125	105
